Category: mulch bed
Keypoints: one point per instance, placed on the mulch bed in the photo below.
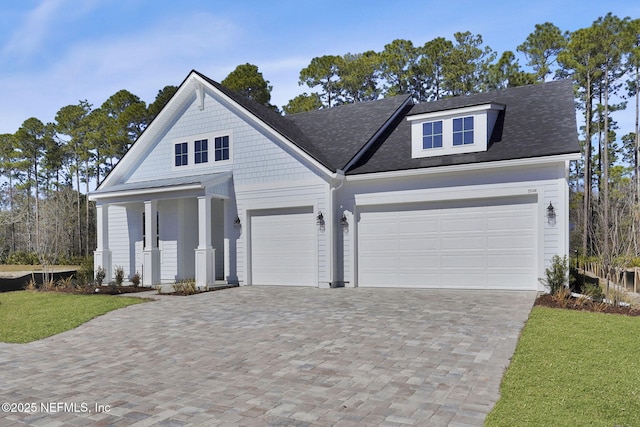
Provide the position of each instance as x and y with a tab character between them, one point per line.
116	290
546	300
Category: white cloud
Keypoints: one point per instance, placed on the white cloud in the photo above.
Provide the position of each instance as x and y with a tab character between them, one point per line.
48	16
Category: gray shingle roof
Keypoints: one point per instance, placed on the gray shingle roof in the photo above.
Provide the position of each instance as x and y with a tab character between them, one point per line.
538	120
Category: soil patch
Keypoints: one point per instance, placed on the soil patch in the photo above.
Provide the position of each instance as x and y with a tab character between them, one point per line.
546	300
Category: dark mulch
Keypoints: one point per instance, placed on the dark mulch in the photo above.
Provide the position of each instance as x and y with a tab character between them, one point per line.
547	300
115	290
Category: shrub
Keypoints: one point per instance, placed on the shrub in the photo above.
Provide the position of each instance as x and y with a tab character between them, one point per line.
593	291
100	274
119	275
557	275
85	272
185	287
135	280
23	258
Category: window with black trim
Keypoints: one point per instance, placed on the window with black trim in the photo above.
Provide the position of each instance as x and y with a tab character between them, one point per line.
221	148
182	154
201	151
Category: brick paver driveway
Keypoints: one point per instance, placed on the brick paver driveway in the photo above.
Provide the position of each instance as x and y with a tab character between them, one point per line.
256	356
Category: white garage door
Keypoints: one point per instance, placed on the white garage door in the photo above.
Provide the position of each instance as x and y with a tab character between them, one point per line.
283	247
483	244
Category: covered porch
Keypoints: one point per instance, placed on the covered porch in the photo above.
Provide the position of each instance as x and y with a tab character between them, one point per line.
169	230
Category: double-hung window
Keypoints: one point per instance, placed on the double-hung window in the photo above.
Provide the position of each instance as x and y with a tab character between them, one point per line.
201	152
432	135
181	154
221	148
463	131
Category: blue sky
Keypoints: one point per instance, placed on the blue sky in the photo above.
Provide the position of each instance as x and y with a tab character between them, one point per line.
56	52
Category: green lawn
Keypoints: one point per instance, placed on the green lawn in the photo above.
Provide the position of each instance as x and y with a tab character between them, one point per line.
28	316
572	368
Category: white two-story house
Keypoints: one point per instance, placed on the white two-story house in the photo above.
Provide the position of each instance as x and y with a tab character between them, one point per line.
467	192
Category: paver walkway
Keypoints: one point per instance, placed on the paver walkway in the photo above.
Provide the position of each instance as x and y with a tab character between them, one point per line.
274	356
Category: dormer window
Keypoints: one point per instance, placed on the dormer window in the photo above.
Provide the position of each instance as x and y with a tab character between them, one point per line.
455	131
432	135
463	131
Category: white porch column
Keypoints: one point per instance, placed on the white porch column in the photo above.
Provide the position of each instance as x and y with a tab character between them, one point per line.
102	254
204	253
151	253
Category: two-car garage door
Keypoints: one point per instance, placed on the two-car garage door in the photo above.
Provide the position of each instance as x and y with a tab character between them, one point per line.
481	243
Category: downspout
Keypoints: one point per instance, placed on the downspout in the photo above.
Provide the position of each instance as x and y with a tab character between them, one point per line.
336	183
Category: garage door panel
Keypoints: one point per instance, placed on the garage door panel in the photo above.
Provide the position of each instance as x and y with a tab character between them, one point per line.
511	259
462	260
459	244
415	243
460	240
461	223
283	247
510	241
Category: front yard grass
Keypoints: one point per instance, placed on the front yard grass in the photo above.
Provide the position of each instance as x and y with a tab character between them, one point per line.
572	368
27	316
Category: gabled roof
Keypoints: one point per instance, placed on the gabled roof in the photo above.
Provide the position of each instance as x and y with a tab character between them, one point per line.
538	120
368	137
333	136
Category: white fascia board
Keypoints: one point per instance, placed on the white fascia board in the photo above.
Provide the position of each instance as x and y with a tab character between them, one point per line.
445	194
144	191
456	111
159	123
533	161
269	130
217	179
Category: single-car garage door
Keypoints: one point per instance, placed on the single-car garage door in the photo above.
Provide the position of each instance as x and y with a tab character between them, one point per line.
283	247
483	244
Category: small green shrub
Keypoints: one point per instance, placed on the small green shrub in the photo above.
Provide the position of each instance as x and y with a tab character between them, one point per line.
100	274
135	280
593	291
84	275
557	275
119	275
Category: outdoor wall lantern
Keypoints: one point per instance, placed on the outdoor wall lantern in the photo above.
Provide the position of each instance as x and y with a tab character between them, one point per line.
237	223
551	214
320	219
343	221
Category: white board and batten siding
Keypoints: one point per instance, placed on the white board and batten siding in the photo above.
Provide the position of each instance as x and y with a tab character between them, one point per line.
475	244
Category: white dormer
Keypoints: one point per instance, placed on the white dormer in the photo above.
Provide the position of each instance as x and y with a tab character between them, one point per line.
461	130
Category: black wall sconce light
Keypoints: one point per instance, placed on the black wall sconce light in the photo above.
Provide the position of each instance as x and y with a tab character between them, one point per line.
551	214
343	221
320	219
237	223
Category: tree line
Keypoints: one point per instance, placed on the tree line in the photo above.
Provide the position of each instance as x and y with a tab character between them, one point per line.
48	168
